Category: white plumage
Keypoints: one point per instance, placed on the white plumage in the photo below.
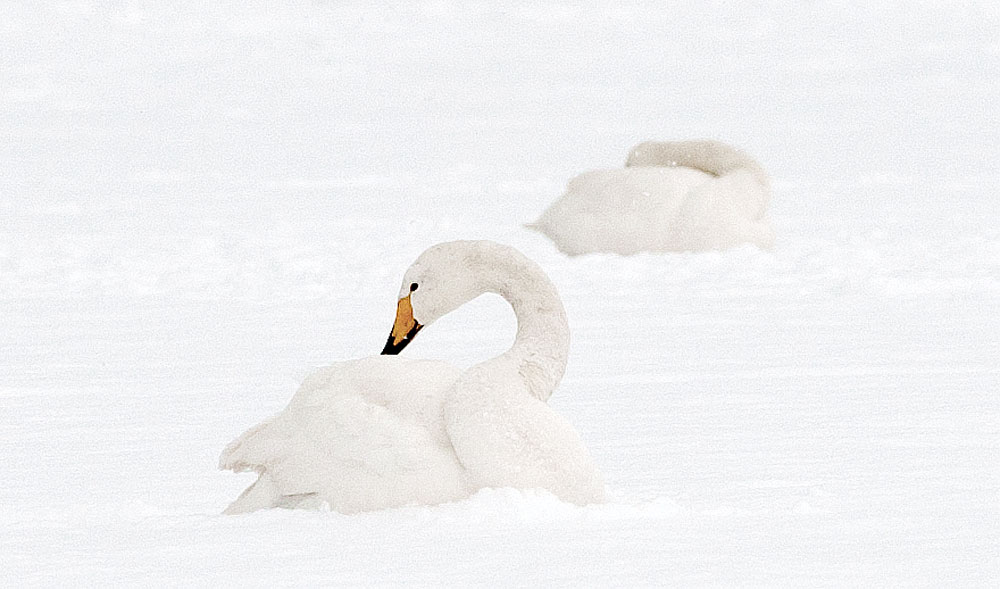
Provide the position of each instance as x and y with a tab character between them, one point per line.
385	431
671	196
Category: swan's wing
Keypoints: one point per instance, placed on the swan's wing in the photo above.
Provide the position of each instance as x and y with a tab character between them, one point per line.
620	210
519	441
724	212
359	435
242	454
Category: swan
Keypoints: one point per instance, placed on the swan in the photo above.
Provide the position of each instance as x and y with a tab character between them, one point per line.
386	431
671	196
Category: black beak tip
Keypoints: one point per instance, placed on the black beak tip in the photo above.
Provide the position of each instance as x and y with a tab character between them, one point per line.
391	348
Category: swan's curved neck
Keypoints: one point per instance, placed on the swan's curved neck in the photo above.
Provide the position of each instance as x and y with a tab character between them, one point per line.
541	347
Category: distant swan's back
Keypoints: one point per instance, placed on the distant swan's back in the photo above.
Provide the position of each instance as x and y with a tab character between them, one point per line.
621	210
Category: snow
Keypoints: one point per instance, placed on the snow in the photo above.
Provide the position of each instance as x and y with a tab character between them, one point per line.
201	202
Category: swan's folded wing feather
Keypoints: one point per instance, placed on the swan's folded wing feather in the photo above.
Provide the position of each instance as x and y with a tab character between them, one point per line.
357	455
515	440
238	456
363	436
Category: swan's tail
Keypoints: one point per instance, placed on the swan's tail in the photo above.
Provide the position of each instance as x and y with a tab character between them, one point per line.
264	494
244	454
260	495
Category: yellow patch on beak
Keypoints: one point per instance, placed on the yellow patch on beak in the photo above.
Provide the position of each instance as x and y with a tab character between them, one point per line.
404	329
404	321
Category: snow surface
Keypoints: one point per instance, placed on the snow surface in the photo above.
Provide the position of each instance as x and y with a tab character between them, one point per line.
200	202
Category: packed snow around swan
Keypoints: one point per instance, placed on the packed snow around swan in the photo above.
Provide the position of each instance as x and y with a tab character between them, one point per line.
201	203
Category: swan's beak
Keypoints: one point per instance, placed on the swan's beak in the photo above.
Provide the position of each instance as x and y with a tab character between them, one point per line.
403	330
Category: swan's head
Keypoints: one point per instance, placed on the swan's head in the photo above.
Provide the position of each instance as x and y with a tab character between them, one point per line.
443	278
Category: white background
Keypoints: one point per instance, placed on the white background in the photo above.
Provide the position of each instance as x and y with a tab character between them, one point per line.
201	202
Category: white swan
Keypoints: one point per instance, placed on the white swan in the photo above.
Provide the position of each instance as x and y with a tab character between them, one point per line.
385	431
671	196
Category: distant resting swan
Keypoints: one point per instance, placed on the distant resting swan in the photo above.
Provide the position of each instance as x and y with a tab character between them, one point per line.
671	196
385	431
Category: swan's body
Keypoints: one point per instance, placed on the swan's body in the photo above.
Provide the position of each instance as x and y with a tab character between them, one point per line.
384	431
671	196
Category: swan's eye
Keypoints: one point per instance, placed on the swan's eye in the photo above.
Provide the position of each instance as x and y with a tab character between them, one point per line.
413	286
